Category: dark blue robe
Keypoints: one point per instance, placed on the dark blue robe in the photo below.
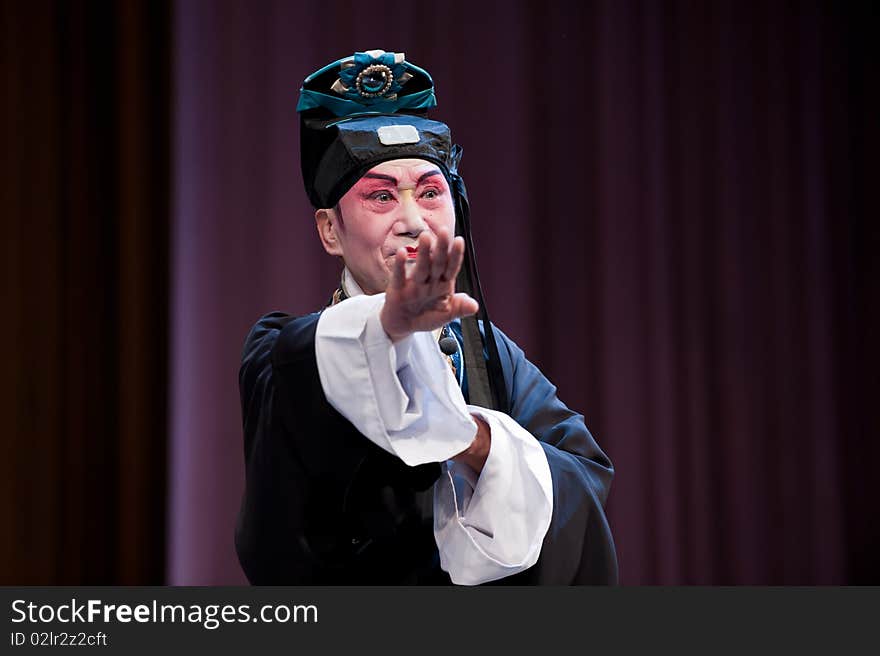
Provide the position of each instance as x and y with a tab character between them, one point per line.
323	505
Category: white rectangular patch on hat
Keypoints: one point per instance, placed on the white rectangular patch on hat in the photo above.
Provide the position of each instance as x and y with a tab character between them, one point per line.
393	135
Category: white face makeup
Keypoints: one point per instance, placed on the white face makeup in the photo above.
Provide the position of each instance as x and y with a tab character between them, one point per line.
387	209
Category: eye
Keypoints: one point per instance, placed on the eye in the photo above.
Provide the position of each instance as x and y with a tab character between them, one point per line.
382	197
431	193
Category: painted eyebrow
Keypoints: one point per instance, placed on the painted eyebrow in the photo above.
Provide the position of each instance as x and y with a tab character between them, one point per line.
429	174
379	176
393	180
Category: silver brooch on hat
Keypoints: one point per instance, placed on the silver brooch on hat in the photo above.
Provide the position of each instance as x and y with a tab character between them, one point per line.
372	74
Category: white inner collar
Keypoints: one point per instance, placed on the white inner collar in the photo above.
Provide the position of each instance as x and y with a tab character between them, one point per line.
349	284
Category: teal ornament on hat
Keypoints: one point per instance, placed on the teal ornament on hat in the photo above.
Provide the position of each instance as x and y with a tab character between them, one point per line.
369	76
373	81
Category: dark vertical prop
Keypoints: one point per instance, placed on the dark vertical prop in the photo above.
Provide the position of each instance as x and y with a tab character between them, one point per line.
485	378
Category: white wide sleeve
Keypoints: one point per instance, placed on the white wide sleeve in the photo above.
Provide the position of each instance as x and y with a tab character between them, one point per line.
493	526
405	399
401	396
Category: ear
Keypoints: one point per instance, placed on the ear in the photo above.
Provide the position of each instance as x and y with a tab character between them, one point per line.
326	223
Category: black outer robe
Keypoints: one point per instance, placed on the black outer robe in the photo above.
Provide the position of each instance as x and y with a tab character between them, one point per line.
323	505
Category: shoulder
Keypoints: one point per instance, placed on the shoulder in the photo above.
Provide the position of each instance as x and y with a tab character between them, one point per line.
282	335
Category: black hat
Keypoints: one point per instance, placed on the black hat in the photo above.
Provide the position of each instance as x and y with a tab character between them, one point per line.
370	108
361	111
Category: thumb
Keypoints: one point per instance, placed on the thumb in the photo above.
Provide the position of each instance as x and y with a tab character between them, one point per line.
463	305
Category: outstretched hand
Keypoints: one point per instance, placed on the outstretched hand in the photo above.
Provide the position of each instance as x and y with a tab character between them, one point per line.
421	295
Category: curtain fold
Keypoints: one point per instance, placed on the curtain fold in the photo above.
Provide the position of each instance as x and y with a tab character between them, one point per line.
673	213
85	118
669	219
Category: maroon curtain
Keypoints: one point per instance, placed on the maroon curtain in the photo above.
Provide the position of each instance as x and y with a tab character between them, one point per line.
670	214
673	215
84	169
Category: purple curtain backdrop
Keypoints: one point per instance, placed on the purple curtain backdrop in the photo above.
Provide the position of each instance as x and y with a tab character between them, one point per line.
663	222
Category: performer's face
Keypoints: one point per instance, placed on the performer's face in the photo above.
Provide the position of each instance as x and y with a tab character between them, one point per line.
387	209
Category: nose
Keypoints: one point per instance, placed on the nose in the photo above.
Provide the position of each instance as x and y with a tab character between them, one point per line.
409	221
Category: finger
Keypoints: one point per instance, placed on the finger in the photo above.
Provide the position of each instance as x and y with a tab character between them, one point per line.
462	305
440	256
398	269
422	270
456	258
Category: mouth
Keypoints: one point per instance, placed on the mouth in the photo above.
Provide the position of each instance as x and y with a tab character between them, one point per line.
411	252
